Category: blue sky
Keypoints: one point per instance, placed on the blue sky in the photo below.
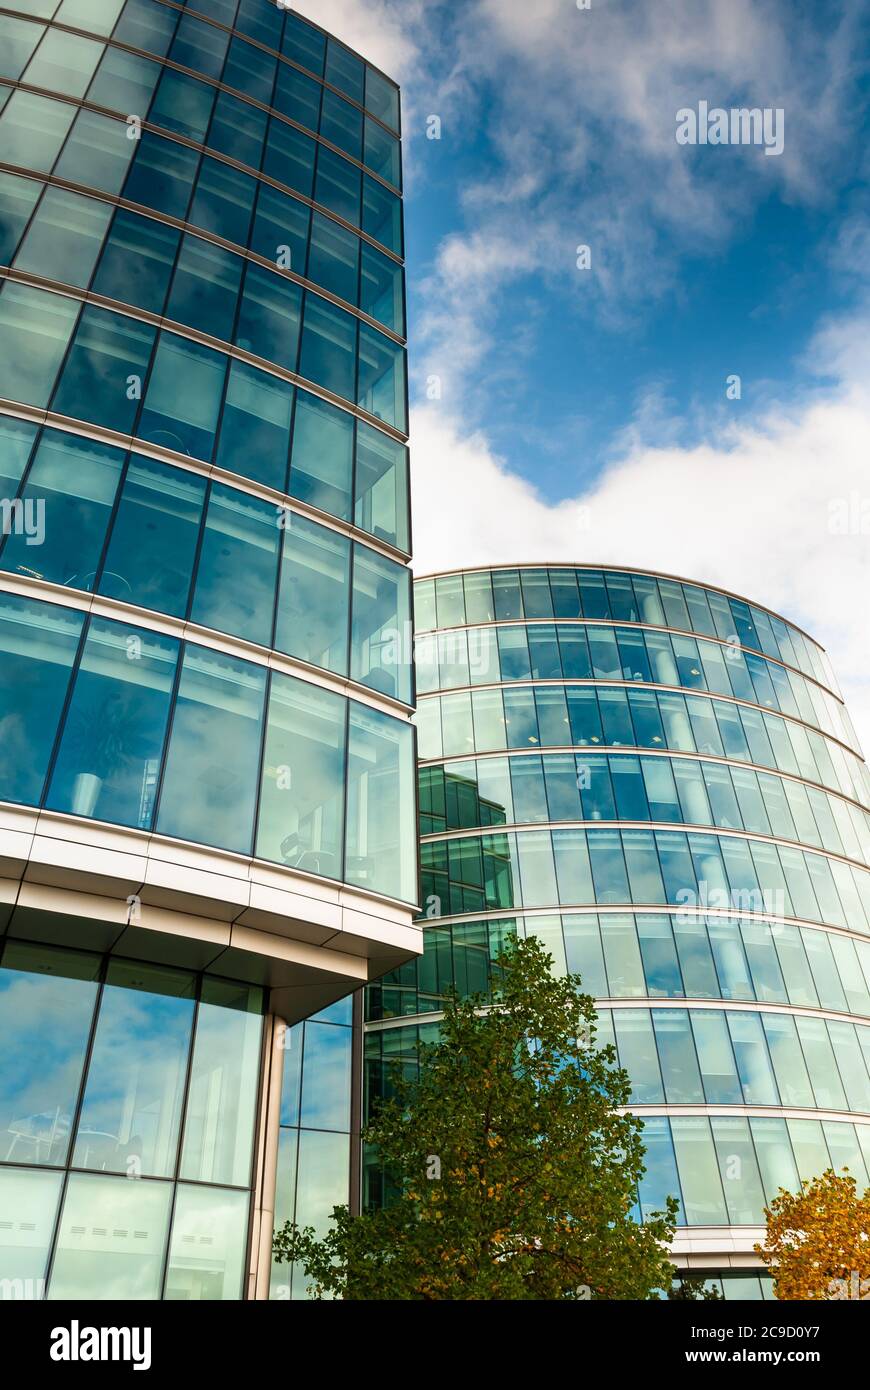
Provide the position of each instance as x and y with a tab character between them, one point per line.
582	414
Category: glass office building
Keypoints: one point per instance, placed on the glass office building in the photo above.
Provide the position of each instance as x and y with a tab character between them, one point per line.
207	791
661	782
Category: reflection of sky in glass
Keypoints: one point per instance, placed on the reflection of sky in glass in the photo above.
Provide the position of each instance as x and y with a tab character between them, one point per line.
28	1203
112	1239
326	1077
207	1248
133	1096
223	1091
44	1025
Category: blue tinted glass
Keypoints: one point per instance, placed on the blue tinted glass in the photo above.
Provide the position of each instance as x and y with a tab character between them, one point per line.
382	153
137	261
381	289
238	129
112	740
97	153
18	197
42	1051
328	346
131	1112
297	96
103	374
381	622
334	258
181	406
255	428
64	237
223	201
238	563
124	82
153	542
289	157
338	185
199	46
146	25
205	287
250	70
345	71
301	819
322	460
72	483
341	124
381	487
35	328
381	383
304	44
268	324
182	104
209	785
382	215
314	595
38	642
162	175
280	231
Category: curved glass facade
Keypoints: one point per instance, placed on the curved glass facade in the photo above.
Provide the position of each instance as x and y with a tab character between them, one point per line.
661	782
205	614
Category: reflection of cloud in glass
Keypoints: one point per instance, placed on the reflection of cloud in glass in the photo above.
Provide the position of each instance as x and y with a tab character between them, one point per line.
207	1249
326	1077
44	1025
112	1239
133	1096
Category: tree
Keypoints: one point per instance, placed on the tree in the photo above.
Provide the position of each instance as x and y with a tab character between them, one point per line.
817	1244
515	1174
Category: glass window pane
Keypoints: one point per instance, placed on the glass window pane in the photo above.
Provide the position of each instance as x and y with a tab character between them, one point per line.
137	261
35	328
380	843
205	287
382	215
716	1057
131	1112
333	260
112	742
314	594
38	642
97	152
677	1055
223	201
162	175
65	237
301	815
207	1249
182	402
703	1201
70	488
124	82
238	564
25	1236
111	1239
255	428
209	785
326	1077
269	314
222	1100
103	374
48	998
381	631
328	347
32	130
322	461
637	1054
149	561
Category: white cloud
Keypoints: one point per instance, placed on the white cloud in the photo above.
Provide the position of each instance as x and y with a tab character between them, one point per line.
751	514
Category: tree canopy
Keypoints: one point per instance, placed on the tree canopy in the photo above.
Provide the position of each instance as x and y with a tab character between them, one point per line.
513	1167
